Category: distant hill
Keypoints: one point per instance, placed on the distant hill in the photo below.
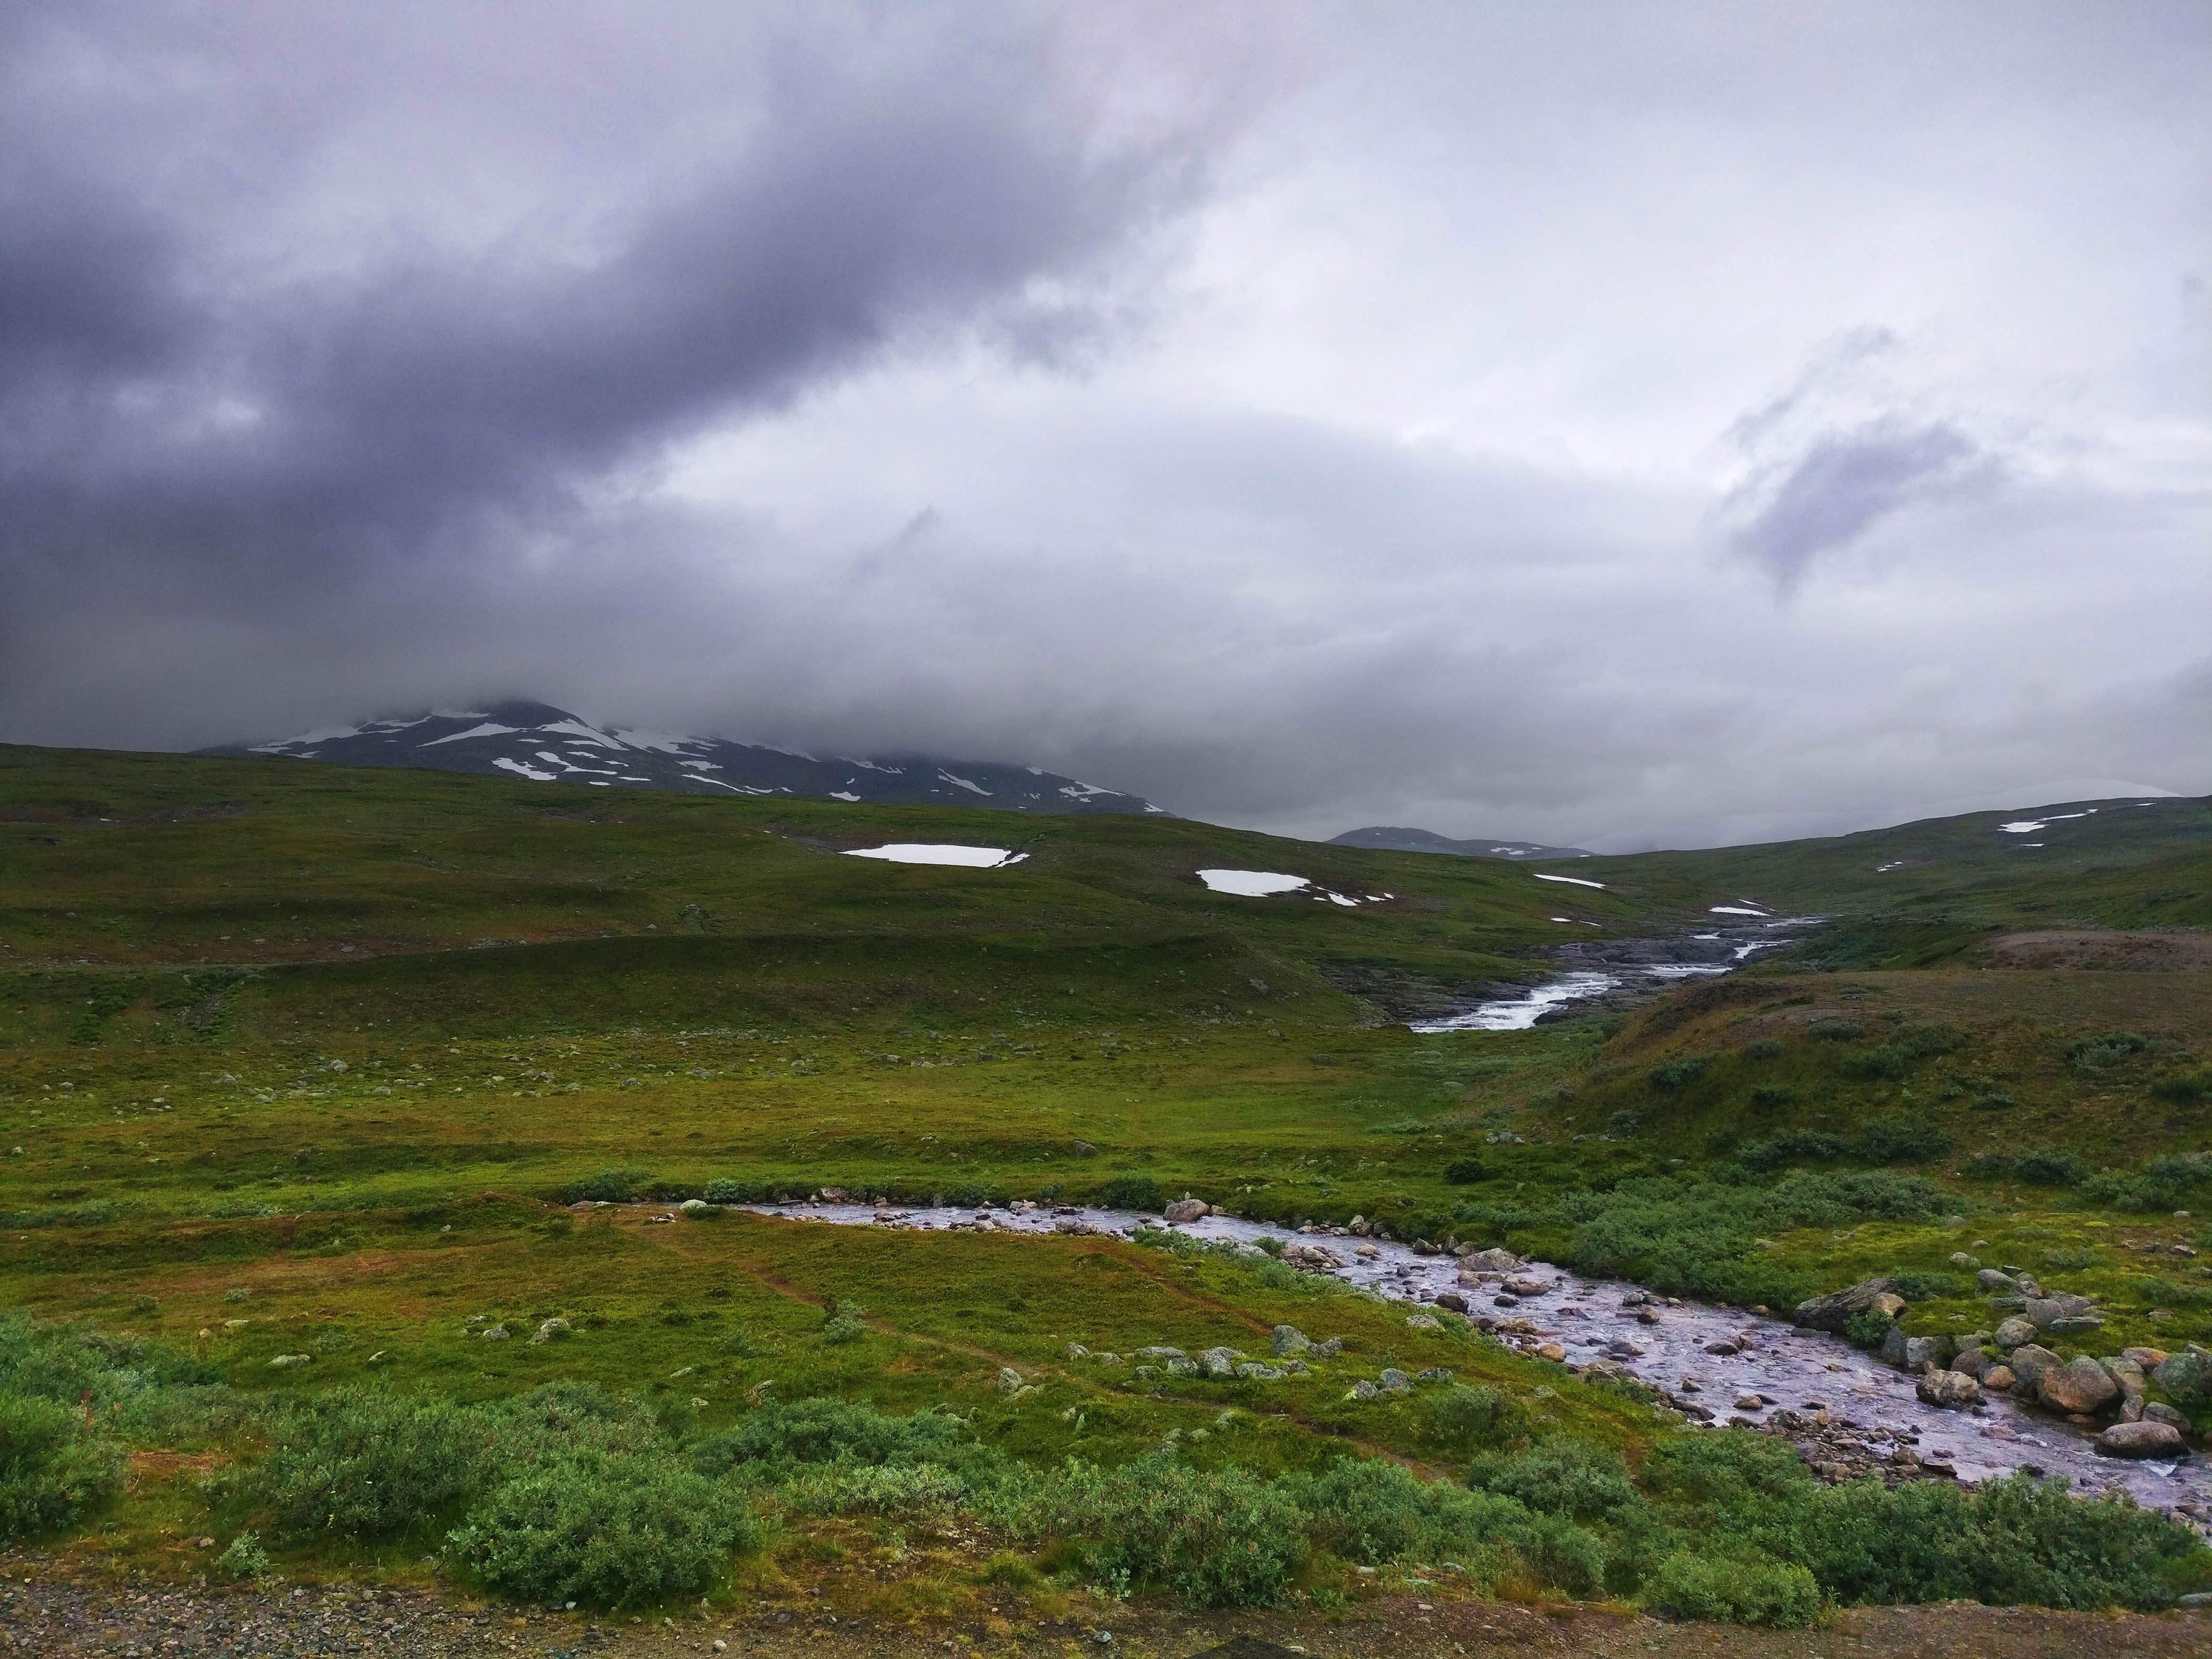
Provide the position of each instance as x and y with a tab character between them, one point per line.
1384	840
546	744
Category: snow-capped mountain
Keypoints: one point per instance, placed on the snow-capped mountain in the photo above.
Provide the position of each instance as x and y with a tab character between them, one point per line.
544	744
1384	840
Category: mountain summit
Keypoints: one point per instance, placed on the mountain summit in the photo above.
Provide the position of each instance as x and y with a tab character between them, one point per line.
544	744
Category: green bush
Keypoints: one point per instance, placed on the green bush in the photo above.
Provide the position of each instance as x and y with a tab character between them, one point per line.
610	1532
606	1186
357	1464
841	1328
2049	1169
1885	1063
1676	1073
830	1430
1797	1147
1916	1286
1994	1103
1130	1192
1465	1171
1868	1329
1835	1030
1762	1049
2114	1047
723	1190
2183	1088
1901	1140
1465	1419
53	1469
1215	1538
1925	1041
1691	1584
1367	1511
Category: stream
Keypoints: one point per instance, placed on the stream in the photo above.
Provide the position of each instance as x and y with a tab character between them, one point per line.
1798	1375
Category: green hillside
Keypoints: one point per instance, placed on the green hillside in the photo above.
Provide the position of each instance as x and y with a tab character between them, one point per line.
300	1060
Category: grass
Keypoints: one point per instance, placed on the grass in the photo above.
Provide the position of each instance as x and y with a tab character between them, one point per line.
306	1061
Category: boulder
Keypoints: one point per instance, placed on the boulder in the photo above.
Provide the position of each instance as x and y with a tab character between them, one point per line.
2014	1332
1363	1390
1253	1370
1451	1302
1836	1309
1185	1209
2074	1325
1010	1380
552	1330
1993	1283
1219	1362
1181	1367
2150	1358
2157	1411
1999	1379
1527	1286
1395	1381
2029	1361
1490	1262
1553	1351
2080	1385
1421	1322
1289	1339
2041	1310
1159	1353
1948	1389
2186	1375
1912	1353
1971	1361
2144	1439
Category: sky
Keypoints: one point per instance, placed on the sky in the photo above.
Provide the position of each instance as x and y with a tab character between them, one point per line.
1603	423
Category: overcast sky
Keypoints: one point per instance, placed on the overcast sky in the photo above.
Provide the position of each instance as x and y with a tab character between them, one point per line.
1568	421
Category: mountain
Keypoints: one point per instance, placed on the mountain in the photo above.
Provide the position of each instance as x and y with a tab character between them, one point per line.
1380	839
546	744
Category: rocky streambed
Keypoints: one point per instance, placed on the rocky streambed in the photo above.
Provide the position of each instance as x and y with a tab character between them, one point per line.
1848	1411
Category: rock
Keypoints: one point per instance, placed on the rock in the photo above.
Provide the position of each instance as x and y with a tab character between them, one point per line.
1219	1362
1553	1351
1010	1380
2029	1361
1750	1402
1960	1259
1527	1286
1073	1223
1451	1302
1253	1370
552	1330
2150	1358
1185	1209
1723	1347
1834	1311
1363	1390
493	1334
2125	1372
1395	1381
2131	1408
1948	1389
1993	1283
1159	1353
2014	1332
285	1361
1107	1359
1077	1350
1434	1374
1910	1353
1490	1262
1182	1366
1082	1149
1999	1379
1332	1346
1502	1300
2144	1439
2187	1376
2157	1411
1289	1339
1422	1322
1970	1358
2080	1385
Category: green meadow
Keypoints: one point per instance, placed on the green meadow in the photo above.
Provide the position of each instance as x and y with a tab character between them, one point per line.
307	1065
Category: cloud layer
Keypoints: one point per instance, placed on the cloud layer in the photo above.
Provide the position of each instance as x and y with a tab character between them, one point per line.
1542	424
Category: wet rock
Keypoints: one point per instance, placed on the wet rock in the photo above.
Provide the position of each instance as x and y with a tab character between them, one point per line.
1289	1339
1750	1402
1502	1300
2028	1363
2014	1332
1185	1209
2144	1439
1527	1286
1834	1311
1999	1379
1910	1353
1971	1360
1948	1389
2080	1385
1553	1351
1073	1223
1451	1302
1489	1262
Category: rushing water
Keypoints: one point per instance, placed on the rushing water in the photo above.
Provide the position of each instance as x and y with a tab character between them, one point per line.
1792	1371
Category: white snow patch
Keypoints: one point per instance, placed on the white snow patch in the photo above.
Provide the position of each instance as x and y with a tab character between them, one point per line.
968	784
489	729
1735	910
701	766
1348	903
589	734
667	742
1577	880
839	794
1251	883
320	734
917	852
530	772
2029	826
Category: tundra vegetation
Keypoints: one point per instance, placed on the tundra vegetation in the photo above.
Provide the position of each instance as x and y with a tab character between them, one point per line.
344	1114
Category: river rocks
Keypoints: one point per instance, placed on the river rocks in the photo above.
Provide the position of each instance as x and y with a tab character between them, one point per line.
1971	1360
2157	1411
2080	1385
1073	1223
2144	1439
2028	1363
1910	1353
1289	1339
1489	1262
1834	1311
1527	1286
1553	1351
552	1330
1948	1389
1185	1209
1451	1302
2014	1332
1999	1379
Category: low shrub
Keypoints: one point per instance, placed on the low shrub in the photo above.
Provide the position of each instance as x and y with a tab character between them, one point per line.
1835	1030
611	1532
1798	1147
1466	1419
358	1464
1215	1538
2112	1049
1868	1329
723	1190
1918	1287
830	1430
2049	1168
1465	1171
606	1186
1130	1192
1676	1073
1994	1103
2183	1088
1901	1140
53	1469
1771	1098
1885	1063
1691	1584
1762	1049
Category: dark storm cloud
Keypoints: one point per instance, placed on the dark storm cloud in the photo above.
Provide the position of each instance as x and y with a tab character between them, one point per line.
172	409
1845	483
